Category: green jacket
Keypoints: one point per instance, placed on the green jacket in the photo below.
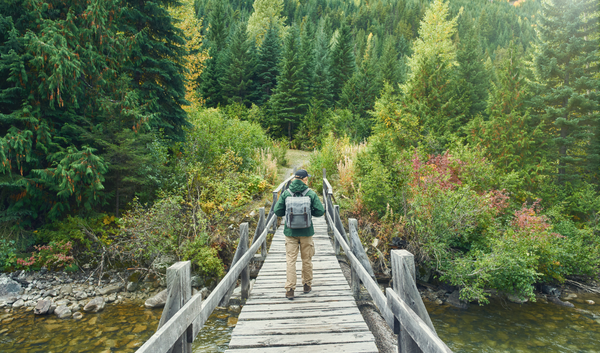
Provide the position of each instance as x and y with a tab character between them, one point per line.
317	209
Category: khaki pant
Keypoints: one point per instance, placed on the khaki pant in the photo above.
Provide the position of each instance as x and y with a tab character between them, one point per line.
307	250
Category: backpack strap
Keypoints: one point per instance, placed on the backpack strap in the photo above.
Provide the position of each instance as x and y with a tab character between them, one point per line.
305	192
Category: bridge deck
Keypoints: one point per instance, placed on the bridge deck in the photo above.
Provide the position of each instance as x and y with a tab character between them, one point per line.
326	319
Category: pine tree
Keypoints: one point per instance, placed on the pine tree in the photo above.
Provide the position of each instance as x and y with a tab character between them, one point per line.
267	69
289	102
210	88
512	140
239	64
217	32
62	74
390	63
266	13
429	92
308	55
342	59
473	80
322	83
567	68
156	75
360	92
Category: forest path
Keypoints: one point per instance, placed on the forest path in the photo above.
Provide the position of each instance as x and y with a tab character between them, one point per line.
296	159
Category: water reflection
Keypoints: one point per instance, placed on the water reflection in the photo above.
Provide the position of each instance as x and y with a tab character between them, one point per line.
118	328
531	327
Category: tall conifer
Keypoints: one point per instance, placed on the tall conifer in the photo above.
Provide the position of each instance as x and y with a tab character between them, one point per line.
567	68
156	73
342	59
267	68
290	101
239	64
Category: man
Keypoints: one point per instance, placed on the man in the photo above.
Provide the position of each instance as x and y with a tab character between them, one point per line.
299	239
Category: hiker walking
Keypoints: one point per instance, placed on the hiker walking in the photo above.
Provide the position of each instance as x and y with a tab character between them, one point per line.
299	204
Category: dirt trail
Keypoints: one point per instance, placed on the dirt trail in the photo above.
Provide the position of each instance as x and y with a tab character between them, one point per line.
297	159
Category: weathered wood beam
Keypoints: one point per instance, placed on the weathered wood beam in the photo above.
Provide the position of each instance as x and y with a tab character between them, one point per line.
179	292
357	247
425	338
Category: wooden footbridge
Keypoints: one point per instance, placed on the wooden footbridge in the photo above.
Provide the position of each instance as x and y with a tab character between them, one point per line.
324	320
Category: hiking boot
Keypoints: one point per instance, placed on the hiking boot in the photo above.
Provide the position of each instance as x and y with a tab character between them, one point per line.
306	288
289	294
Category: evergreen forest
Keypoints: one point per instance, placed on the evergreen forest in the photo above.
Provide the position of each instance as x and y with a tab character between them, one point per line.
465	131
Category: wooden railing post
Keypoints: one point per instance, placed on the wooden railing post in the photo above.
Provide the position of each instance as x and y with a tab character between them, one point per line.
271	214
243	246
179	290
336	243
338	222
404	279
358	249
239	252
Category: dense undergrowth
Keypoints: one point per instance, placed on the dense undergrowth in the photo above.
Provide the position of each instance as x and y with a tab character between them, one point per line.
461	217
224	164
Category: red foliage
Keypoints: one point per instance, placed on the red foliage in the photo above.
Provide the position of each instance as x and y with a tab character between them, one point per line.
438	170
529	221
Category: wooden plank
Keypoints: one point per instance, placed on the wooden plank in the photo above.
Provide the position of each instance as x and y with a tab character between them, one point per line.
301	326
300	299
425	338
294	305
362	347
298	313
316	339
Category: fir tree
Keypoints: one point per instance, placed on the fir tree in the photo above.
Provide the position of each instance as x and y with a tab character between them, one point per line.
210	88
239	64
567	68
267	69
156	75
342	60
390	64
289	103
360	92
322	83
473	80
429	92
512	140
217	32
62	74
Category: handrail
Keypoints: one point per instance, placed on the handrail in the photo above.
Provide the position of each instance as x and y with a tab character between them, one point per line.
402	308
183	319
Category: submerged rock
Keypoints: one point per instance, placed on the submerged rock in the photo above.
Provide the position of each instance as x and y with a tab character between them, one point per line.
157	301
454	300
42	307
62	312
77	316
95	305
516	299
557	301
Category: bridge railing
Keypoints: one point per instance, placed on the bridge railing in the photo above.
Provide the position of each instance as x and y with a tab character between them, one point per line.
402	307
184	315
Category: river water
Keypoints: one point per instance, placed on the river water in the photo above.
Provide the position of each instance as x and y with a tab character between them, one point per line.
531	327
497	327
118	328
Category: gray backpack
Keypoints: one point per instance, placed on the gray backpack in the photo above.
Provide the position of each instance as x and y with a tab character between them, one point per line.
297	211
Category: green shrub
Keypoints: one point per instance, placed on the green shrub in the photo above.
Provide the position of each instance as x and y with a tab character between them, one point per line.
8	254
204	258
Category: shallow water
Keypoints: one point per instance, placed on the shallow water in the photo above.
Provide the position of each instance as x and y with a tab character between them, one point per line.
530	327
118	328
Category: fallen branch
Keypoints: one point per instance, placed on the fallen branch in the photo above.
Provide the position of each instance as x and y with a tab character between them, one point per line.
582	286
